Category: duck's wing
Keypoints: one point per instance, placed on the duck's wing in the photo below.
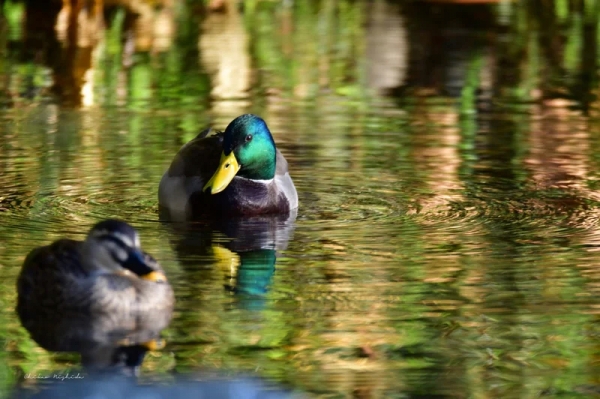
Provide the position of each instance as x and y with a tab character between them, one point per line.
47	275
284	182
205	133
192	167
199	157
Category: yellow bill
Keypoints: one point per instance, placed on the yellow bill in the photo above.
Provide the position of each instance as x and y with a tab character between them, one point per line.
228	167
154	345
157	277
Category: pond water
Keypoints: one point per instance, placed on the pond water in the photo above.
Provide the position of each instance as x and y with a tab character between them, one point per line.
446	160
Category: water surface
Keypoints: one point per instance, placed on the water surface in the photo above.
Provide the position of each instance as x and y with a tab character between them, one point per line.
446	242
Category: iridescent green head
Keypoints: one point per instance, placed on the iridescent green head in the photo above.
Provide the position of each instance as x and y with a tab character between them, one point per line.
248	151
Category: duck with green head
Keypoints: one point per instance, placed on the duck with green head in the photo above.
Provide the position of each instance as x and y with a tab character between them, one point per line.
239	172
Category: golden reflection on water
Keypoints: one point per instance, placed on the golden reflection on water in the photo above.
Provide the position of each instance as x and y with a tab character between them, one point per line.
386	48
223	48
222	42
442	160
559	148
447	235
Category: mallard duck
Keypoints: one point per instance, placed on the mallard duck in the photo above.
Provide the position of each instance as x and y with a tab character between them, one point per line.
108	273
239	172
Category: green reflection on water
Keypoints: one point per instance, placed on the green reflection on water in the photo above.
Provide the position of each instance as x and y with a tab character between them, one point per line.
446	241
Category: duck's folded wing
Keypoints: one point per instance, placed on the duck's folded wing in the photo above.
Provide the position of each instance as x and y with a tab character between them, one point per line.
198	158
192	167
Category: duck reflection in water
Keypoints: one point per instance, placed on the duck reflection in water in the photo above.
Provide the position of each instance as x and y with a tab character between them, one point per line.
104	297
245	248
105	343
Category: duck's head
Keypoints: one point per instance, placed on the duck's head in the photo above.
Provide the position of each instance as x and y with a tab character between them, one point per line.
113	246
248	151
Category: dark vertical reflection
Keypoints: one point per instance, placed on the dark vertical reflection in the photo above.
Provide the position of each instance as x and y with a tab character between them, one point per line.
587	82
544	19
39	38
40	44
443	38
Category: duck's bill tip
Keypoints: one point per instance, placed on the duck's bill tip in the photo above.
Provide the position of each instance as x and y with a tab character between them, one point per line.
226	171
155	344
157	277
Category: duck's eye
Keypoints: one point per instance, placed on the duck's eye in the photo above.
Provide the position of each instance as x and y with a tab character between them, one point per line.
248	138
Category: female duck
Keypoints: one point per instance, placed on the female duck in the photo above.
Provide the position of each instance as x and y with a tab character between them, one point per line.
238	172
108	273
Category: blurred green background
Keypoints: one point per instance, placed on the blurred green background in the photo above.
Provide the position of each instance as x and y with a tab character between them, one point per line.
445	154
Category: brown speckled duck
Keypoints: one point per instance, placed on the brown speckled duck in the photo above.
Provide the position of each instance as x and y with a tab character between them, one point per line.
108	273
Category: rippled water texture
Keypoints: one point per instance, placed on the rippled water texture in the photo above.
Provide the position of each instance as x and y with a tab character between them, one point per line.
445	156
